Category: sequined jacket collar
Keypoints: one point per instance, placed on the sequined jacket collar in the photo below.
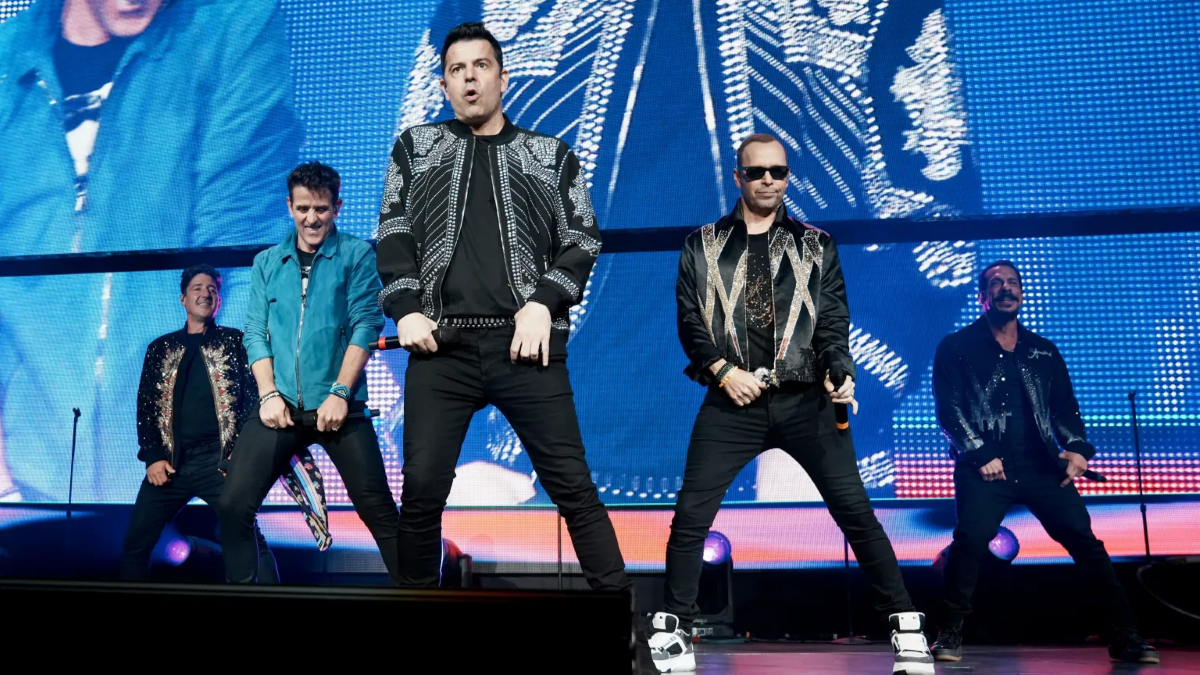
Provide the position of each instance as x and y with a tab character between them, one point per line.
969	400
548	232
812	318
234	399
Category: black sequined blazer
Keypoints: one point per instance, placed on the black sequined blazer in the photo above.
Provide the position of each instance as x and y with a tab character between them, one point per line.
970	400
812	317
235	400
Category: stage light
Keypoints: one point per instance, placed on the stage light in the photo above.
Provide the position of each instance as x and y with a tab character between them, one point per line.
177	551
715	597
1004	545
456	568
716	548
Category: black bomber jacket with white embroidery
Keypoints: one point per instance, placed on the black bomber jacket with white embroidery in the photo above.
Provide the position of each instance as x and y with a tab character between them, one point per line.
812	317
547	225
234	400
969	399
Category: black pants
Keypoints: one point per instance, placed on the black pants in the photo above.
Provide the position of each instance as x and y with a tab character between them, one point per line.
981	507
798	419
442	392
157	505
262	455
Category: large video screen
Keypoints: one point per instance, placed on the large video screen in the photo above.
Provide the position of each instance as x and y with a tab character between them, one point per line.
1120	326
182	134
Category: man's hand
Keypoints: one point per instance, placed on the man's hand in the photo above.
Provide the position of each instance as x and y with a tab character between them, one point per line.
993	470
274	414
742	387
332	413
1076	465
159	472
415	331
844	393
532	335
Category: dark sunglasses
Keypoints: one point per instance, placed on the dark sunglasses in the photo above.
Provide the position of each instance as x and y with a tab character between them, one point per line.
757	172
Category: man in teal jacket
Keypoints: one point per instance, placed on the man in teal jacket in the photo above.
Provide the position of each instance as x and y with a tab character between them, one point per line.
312	316
155	124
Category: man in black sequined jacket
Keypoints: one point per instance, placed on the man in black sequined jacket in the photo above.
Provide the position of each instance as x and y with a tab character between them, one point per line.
764	322
196	391
1005	402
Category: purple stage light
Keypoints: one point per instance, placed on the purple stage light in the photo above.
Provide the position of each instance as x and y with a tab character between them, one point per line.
1004	545
178	550
716	548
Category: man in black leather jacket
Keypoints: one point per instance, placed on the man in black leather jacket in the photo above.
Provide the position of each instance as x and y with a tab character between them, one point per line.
764	321
1004	400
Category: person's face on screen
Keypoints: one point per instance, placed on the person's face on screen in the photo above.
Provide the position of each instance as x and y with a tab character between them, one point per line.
473	81
1002	295
125	18
202	299
766	193
313	213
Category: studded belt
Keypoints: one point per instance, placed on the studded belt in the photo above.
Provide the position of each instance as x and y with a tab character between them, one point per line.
478	321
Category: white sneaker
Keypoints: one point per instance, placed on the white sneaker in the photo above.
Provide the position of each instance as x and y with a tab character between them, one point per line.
670	647
908	643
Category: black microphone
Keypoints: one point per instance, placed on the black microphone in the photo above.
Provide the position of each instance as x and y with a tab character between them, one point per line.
309	417
1092	475
840	412
442	335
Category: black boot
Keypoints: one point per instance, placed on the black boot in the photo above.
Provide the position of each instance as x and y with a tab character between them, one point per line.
1130	647
948	646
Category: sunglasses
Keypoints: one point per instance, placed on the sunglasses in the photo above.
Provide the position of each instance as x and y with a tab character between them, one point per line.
753	173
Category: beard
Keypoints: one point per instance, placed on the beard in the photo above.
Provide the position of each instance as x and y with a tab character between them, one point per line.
999	316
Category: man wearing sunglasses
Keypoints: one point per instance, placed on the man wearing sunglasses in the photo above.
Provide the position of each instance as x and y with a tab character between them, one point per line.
763	319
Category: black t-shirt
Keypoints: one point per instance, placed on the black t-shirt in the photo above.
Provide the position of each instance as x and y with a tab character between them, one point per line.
195	412
1022	442
477	282
306	261
86	75
760	304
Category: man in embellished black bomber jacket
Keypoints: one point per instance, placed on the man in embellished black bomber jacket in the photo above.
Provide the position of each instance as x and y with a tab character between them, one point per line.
487	234
196	391
1004	400
764	322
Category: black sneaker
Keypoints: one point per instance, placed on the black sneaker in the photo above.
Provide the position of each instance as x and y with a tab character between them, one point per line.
948	646
1130	647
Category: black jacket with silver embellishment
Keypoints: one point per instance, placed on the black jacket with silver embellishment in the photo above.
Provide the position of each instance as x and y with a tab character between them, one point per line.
234	400
547	226
970	401
812	317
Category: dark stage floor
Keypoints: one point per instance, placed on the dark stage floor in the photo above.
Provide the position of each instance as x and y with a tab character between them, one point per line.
821	659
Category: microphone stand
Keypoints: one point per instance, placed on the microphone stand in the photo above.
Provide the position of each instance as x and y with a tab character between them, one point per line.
71	482
1137	458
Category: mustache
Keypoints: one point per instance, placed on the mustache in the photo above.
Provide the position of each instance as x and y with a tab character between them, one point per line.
1005	295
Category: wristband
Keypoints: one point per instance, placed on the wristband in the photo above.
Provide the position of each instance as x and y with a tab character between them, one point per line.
268	396
723	373
341	391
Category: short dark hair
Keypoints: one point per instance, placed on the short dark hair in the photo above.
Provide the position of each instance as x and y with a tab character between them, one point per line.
471	31
316	177
752	139
194	271
989	268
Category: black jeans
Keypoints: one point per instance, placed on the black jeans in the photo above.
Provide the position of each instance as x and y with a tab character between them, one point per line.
443	391
262	455
981	507
156	506
799	420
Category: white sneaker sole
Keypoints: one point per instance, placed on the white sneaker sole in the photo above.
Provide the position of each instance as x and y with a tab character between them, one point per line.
912	669
684	663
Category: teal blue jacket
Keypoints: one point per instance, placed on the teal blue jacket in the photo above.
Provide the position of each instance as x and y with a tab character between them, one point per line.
308	339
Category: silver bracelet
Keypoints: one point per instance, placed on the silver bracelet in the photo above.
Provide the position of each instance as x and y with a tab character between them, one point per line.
268	396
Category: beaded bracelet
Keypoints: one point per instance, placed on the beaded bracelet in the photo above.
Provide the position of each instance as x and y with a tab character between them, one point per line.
723	373
268	396
340	390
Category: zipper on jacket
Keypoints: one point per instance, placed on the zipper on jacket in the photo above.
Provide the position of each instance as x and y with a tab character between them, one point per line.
500	225
457	232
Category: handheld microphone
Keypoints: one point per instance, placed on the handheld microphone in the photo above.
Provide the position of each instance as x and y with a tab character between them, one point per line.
442	335
309	417
840	412
1092	475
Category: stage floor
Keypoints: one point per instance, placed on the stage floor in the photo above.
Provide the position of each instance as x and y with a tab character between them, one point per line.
765	658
